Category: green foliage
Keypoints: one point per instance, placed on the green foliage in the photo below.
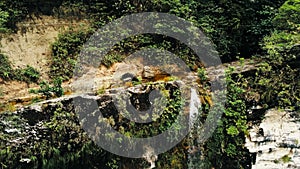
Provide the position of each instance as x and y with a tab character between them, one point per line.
6	71
225	149
288	17
138	82
100	91
234	25
1	92
113	164
13	11
160	123
64	146
174	158
279	45
65	51
202	74
278	86
10	13
277	77
286	159
4	16
48	90
110	59
28	74
287	34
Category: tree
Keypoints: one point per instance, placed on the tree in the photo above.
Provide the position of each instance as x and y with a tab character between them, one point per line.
235	26
278	78
281	44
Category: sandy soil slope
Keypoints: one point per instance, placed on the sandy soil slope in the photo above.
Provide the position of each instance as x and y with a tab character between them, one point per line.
31	46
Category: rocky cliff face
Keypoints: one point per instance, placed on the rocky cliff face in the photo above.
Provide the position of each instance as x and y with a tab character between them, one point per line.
50	132
275	142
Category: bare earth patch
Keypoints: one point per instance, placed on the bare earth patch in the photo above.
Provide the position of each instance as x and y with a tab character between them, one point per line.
31	46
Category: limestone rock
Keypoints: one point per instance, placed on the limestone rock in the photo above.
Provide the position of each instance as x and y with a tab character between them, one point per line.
148	73
276	140
154	73
123	68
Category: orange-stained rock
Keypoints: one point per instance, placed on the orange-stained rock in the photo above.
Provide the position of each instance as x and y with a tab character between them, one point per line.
154	74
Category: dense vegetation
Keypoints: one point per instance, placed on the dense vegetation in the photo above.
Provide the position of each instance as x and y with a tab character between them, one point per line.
278	77
27	74
264	29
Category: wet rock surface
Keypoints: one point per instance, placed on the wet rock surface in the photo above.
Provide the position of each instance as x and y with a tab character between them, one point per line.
275	141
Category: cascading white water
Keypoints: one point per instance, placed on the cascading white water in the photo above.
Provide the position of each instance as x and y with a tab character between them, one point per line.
276	140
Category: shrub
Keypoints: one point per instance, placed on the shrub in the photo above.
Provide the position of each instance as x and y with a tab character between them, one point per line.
225	148
286	159
110	59
276	78
28	74
50	90
288	17
6	71
64	53
3	19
